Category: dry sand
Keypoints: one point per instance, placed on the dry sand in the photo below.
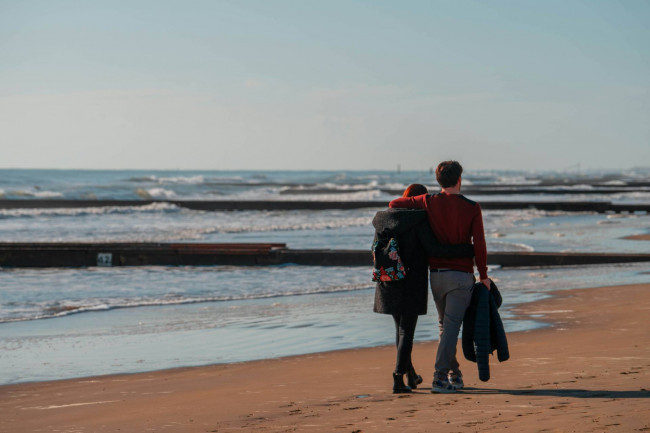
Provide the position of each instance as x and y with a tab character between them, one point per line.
587	372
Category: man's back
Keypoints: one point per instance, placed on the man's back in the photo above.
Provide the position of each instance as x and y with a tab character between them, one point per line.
455	220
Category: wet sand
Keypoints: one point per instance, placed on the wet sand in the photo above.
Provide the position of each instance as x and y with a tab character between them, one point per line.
638	237
588	371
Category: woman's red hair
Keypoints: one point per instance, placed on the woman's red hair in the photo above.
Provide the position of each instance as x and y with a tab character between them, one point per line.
414	190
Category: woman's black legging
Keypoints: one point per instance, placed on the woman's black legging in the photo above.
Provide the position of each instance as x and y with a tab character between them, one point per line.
404	332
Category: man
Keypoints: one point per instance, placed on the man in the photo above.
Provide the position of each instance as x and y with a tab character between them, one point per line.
454	219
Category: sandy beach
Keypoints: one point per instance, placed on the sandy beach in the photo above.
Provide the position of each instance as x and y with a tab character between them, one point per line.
191	195
588	371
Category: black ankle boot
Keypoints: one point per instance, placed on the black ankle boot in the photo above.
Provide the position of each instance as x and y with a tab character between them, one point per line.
398	384
414	379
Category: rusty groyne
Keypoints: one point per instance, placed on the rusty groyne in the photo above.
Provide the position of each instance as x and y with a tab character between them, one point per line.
240	205
248	254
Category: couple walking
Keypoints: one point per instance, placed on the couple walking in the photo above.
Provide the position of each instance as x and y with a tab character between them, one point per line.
440	236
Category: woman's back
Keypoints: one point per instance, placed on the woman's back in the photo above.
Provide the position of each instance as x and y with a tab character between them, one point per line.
407	296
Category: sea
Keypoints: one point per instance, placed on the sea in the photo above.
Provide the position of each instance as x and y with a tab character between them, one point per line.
61	323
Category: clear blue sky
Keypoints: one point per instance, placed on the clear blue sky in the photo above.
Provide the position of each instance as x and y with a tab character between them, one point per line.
324	84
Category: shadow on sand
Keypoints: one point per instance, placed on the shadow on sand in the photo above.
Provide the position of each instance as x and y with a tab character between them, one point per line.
575	393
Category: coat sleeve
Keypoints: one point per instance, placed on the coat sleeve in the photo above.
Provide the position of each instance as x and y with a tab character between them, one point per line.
434	248
498	332
417	202
482	345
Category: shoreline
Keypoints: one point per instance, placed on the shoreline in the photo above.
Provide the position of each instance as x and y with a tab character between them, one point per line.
644	237
350	390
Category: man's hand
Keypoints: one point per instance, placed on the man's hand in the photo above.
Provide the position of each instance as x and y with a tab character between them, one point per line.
487	283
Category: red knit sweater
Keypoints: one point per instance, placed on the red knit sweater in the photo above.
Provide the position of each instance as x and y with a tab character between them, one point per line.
454	219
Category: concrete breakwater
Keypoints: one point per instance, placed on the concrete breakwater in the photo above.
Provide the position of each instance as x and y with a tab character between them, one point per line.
477	190
248	254
238	205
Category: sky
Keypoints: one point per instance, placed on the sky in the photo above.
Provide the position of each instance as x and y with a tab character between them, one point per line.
329	85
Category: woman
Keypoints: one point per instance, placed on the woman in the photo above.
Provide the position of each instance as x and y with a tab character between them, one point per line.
407	298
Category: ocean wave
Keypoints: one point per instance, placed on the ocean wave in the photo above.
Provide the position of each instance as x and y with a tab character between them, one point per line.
402	186
275	194
499	246
577	186
516	180
184	180
61	309
156	193
291	226
511	218
34	193
190	180
163	222
267	223
142	179
638	196
39	212
330	188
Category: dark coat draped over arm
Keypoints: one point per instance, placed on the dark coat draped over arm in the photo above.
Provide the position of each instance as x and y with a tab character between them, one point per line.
483	330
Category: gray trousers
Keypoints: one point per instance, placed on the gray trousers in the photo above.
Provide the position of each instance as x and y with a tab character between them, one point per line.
452	293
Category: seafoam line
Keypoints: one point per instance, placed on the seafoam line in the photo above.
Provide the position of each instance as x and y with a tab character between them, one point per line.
68	405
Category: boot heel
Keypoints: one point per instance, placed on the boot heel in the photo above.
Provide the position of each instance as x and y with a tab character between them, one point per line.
398	385
414	379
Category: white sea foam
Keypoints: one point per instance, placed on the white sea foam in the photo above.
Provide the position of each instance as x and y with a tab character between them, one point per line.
499	219
156	193
402	186
275	221
144	179
34	192
519	180
161	193
105	210
47	194
273	194
342	187
498	246
235	179
185	180
289	225
570	187
189	180
640	196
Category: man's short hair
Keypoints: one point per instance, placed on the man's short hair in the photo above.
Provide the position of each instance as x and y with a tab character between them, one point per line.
448	173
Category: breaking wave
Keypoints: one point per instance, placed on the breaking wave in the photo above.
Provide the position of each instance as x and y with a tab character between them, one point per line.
106	210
